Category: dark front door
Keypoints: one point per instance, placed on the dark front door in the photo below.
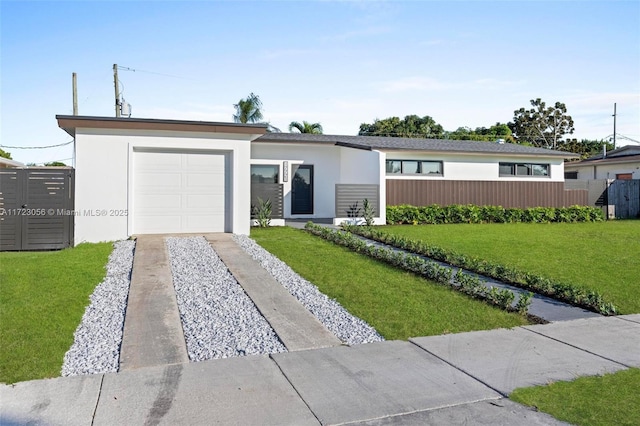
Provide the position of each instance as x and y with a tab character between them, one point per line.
302	190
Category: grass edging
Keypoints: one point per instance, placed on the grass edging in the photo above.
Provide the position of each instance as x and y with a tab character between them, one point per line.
569	293
466	284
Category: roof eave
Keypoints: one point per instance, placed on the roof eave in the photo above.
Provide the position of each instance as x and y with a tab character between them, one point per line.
69	123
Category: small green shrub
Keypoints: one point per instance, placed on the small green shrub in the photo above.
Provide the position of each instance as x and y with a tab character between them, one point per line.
262	212
460	281
367	212
435	214
568	293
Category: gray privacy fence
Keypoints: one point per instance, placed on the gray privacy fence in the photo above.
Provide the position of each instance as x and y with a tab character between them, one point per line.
36	208
618	198
268	191
350	197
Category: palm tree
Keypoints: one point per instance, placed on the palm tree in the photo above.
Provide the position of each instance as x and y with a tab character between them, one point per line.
306	127
248	110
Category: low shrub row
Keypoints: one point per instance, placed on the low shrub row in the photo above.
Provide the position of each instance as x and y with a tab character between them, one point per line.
455	213
568	293
467	284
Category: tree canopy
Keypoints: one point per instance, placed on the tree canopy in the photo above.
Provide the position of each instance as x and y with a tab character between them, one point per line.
306	127
248	110
55	164
541	126
585	148
490	134
5	154
412	126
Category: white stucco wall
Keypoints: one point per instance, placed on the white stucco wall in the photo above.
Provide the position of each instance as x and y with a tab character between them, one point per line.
332	165
605	171
104	173
477	166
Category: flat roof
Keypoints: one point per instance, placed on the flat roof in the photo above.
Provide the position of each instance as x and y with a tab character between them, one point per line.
69	123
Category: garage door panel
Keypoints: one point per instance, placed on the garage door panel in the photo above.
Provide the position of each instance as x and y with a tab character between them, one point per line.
158	160
212	203
179	192
206	162
159	180
158	201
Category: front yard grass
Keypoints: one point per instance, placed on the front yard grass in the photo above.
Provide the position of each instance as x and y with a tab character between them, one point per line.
612	399
43	296
398	304
602	256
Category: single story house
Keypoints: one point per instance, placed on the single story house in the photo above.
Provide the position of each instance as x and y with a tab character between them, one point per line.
141	176
622	163
5	163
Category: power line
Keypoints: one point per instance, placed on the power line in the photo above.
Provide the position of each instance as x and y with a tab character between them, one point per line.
151	72
36	147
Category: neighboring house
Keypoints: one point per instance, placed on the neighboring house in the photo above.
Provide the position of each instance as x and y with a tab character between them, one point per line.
138	176
5	163
622	163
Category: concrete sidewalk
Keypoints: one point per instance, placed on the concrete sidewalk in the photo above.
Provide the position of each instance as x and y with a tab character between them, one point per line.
449	379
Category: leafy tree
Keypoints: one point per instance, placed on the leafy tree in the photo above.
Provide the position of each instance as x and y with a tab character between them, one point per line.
411	126
585	147
248	110
5	154
491	134
55	164
306	127
541	126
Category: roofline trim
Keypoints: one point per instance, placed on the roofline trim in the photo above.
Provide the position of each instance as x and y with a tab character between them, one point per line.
69	123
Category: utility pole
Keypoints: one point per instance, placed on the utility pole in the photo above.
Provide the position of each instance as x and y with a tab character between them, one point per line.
74	84
614	125
115	83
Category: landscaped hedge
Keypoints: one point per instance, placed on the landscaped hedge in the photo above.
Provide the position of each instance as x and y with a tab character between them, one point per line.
456	213
467	284
569	293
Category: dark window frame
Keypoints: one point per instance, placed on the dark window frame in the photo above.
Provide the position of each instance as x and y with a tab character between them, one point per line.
274	166
420	167
530	168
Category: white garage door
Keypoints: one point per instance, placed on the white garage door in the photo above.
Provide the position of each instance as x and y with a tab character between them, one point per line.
178	192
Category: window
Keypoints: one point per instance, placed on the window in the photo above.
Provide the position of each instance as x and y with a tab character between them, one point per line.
523	169
264	173
414	167
571	175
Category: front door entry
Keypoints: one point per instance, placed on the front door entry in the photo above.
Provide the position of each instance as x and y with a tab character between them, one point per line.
302	189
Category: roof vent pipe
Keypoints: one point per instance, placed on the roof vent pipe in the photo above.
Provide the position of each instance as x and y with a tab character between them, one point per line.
604	150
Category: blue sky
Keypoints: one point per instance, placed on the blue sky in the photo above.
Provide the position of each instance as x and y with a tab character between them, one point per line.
338	63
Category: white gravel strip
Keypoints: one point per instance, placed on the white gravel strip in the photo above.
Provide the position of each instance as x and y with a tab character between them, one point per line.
219	320
97	340
348	328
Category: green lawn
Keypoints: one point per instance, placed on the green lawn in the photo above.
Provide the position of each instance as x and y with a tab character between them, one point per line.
613	399
603	256
42	298
398	304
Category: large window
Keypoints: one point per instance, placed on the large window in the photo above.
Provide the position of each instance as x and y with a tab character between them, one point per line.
414	167
523	169
264	173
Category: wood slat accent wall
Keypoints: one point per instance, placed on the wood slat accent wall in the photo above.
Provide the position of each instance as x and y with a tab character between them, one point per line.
348	194
268	191
507	194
